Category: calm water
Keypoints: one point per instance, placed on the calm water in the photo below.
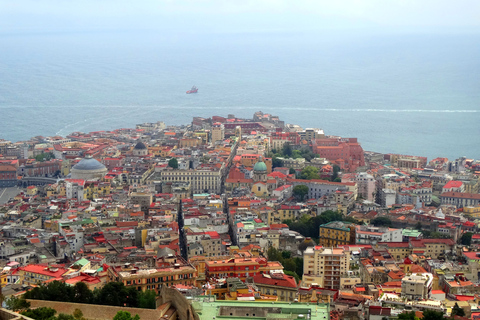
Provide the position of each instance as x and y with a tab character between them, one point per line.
404	94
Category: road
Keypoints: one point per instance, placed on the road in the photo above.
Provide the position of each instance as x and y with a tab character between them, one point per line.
7	193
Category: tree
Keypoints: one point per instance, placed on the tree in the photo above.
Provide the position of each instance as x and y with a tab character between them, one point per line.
433	315
17	304
147	299
286	254
300	191
336	170
287	150
78	314
276	162
308	242
418	226
457	311
309	226
273	254
407	316
113	294
382	222
293	274
45	157
173	163
82	293
125	315
63	316
42	313
309	173
292	171
466	238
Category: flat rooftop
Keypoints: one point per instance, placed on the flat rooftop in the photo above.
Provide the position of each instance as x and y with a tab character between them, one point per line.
208	308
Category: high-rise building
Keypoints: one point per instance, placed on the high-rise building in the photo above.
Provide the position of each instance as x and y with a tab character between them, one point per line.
325	266
218	132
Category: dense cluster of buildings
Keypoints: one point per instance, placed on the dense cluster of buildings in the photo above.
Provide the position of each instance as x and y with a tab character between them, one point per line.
197	209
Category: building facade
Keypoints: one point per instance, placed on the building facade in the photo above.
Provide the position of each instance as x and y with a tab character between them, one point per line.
325	266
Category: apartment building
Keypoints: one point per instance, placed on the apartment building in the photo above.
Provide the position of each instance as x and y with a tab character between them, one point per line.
373	235
205	179
325	266
218	132
320	188
336	233
460	199
239	267
417	286
170	270
277	284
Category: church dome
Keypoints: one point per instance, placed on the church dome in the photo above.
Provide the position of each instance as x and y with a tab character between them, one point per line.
88	164
88	168
140	146
260	166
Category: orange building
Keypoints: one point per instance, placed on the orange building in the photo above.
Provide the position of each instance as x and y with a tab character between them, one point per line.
345	152
239	267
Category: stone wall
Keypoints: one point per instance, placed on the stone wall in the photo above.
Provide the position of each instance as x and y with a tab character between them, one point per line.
10	315
95	312
184	307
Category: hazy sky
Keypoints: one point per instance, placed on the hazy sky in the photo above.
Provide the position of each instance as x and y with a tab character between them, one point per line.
237	15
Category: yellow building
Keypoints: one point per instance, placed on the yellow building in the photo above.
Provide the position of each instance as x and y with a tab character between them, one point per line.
398	250
34	274
190	142
96	189
472	211
169	271
3	279
260	189
32	190
203	135
278	284
285	213
434	248
65	168
336	233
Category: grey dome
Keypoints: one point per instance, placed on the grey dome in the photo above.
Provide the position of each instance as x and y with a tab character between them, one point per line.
88	164
140	146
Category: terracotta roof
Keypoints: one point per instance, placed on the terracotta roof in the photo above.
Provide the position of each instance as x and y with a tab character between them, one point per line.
266	279
461	195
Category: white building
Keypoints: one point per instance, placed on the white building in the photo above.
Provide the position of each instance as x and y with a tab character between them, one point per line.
417	286
373	235
387	197
74	189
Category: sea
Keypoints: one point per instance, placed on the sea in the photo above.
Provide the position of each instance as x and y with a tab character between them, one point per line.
407	93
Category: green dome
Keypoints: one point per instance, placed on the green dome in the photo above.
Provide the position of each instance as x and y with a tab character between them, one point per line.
260	166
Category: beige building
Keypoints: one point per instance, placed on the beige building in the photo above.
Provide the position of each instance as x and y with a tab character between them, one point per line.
325	266
212	247
278	284
417	286
201	180
311	134
171	270
141	198
218	132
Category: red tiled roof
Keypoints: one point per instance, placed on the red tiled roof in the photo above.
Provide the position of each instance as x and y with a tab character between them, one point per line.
44	270
461	195
395	244
453	184
286	281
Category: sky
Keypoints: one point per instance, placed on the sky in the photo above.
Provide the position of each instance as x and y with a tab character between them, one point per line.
17	16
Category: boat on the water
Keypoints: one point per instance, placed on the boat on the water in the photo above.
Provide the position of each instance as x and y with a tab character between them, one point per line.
193	90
